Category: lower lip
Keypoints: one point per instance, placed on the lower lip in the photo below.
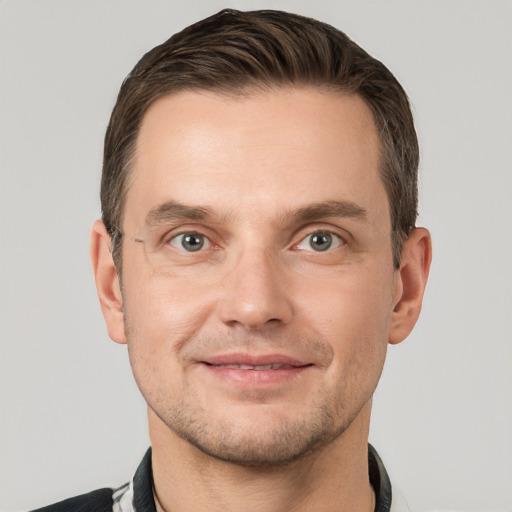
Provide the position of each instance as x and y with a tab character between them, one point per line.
256	378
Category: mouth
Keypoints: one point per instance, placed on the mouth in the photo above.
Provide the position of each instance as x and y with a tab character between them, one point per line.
247	371
261	367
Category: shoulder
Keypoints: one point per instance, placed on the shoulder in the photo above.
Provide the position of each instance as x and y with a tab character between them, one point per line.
97	501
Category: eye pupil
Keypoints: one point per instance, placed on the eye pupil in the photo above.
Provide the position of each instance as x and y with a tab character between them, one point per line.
192	242
321	241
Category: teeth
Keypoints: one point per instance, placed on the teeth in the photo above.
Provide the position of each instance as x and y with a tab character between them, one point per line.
251	367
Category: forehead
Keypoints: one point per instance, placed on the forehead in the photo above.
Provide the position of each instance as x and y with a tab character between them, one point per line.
290	145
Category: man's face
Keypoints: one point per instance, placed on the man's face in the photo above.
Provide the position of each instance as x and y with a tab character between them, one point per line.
257	269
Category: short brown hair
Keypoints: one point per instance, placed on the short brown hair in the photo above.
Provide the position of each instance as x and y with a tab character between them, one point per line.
233	51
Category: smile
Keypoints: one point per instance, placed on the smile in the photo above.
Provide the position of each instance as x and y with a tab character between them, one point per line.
255	367
255	371
245	361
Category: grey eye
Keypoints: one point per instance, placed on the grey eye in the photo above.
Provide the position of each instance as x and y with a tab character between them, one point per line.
190	242
320	241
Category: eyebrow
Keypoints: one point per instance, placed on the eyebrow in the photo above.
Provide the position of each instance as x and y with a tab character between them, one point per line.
315	211
171	211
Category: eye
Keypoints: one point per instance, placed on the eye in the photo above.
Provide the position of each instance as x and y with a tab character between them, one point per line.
320	241
190	242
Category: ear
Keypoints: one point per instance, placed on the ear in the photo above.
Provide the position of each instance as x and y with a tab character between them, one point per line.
410	283
107	282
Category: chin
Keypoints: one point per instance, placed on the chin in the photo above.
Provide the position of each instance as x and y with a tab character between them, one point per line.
258	443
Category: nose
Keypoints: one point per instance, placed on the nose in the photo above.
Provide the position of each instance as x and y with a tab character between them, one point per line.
255	294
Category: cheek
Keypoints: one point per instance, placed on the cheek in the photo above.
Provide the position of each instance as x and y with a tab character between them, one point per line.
354	299
352	311
160	318
163	313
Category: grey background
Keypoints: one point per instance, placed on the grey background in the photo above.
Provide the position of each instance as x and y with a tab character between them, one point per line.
71	416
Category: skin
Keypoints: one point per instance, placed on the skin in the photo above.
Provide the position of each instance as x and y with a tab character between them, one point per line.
256	179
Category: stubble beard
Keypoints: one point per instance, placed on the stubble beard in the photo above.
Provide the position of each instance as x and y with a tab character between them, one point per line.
279	443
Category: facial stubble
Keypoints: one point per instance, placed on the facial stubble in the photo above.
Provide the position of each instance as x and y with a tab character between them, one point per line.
284	440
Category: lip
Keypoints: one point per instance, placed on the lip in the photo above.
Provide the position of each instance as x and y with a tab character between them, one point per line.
254	360
255	371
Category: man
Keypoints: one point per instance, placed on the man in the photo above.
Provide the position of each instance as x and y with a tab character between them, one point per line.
257	253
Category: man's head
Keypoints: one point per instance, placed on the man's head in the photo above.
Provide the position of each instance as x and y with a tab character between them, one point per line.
238	52
260	178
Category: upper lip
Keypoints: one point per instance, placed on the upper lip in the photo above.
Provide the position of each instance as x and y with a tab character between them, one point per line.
254	360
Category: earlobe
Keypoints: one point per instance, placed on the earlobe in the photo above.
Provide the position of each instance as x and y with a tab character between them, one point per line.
107	282
410	285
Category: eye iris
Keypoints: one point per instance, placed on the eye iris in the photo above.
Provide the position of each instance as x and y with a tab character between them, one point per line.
192	242
321	241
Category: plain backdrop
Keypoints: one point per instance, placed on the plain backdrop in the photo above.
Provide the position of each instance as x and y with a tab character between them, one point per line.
71	416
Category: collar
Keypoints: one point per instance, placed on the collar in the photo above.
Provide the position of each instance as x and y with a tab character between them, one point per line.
143	499
379	480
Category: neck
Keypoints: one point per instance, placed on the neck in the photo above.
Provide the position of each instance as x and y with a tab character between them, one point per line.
333	478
